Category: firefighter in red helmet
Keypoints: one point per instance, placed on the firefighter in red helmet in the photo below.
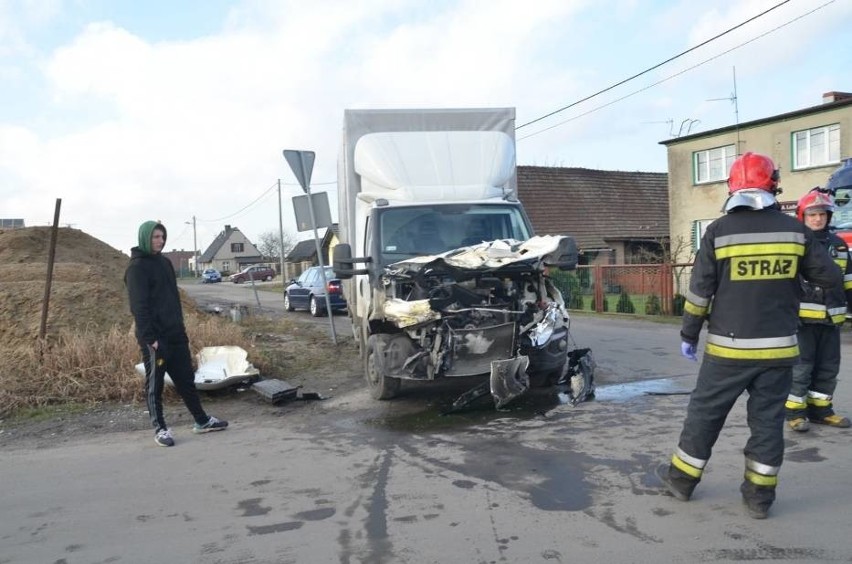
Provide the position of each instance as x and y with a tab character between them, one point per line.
821	313
747	267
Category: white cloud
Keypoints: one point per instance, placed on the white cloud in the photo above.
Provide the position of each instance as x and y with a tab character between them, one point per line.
133	128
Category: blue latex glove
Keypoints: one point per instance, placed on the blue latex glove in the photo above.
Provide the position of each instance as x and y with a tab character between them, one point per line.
688	351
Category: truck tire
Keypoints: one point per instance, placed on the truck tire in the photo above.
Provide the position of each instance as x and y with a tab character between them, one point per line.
382	387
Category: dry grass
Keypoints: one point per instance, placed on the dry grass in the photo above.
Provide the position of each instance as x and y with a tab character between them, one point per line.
90	366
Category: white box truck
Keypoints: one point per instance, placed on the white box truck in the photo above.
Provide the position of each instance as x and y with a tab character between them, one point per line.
441	272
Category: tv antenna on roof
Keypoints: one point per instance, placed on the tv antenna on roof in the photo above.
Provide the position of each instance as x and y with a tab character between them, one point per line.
733	99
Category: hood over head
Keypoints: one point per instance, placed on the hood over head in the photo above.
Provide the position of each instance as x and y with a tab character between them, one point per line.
145	232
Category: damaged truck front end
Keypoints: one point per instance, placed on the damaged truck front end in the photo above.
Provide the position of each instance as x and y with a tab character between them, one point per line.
489	309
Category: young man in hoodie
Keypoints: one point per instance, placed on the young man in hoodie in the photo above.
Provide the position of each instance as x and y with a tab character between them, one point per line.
160	332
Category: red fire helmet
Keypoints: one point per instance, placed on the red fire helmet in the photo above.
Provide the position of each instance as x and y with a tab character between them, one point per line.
815	199
753	170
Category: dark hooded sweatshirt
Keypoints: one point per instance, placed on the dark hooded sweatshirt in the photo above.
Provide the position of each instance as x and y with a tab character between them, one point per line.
152	289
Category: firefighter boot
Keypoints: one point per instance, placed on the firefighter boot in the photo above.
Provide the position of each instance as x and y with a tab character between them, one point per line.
796	414
821	412
677	483
757	499
833	420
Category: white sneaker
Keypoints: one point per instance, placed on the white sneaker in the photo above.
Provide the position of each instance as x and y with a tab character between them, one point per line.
164	438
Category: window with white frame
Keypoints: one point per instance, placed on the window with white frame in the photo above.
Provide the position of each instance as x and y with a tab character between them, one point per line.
699	226
817	146
713	165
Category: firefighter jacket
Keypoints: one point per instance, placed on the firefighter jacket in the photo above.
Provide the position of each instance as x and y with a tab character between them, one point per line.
745	284
824	306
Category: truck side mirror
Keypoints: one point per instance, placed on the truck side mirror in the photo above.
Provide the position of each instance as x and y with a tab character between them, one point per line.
565	256
344	263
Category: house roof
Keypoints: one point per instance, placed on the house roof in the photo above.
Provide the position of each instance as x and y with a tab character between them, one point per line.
304	250
840	99
307	250
217	243
595	206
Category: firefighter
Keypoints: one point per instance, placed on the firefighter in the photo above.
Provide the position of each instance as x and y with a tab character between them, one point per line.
745	285
821	313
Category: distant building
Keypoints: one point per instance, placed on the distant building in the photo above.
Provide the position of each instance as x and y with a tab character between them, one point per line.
230	252
807	145
11	223
616	217
182	261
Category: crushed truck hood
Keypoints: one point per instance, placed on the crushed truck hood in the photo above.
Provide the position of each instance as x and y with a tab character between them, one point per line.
491	255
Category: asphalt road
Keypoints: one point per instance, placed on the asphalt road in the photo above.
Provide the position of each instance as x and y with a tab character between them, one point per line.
358	482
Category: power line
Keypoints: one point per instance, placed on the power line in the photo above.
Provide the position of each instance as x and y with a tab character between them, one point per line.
658	65
677	74
256	200
275	185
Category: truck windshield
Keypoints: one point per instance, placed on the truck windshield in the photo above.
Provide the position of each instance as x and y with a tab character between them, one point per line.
429	230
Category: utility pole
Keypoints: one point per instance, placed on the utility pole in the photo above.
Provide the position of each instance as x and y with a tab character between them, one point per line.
194	246
281	239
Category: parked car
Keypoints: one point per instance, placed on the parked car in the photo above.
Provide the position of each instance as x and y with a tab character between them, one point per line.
256	272
307	292
211	275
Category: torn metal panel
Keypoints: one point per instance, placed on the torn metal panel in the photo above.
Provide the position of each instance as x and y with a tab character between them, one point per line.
509	379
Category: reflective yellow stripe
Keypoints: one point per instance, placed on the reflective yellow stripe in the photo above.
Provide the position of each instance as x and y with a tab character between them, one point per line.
758	249
841	263
811	313
838	319
686	468
795	405
760	479
694	309
752	354
817	402
847	285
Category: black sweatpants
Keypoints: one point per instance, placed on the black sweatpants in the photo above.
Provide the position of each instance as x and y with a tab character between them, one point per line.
716	391
176	359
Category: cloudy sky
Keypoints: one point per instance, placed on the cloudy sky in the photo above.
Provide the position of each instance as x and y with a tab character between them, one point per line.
170	110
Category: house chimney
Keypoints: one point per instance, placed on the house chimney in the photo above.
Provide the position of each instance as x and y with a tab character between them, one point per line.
227	228
834	96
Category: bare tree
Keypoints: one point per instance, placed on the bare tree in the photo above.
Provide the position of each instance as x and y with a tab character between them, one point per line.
269	244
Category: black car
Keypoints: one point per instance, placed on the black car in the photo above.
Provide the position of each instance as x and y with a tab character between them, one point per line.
308	292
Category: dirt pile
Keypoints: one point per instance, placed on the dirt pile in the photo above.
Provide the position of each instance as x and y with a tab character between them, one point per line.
87	290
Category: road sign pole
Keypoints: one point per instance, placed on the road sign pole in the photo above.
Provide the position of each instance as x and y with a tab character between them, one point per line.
302	164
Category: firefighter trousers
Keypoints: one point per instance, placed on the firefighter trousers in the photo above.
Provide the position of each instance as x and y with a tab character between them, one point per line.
717	389
819	364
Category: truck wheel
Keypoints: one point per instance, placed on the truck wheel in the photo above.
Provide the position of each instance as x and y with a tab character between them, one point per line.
316	308
381	387
287	305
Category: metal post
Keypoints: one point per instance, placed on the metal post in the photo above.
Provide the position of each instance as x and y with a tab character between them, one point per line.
195	246
281	242
322	266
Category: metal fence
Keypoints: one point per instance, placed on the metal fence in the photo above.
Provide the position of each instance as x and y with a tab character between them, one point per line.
641	289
